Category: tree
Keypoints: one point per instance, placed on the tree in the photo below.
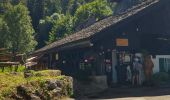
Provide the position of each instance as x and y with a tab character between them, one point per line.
20	30
52	6
41	12
4	6
65	24
4	42
98	9
62	27
36	11
45	27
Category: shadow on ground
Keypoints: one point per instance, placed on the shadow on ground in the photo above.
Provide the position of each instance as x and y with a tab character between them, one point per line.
113	93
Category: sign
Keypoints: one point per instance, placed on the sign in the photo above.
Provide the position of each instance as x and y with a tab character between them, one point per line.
127	58
122	42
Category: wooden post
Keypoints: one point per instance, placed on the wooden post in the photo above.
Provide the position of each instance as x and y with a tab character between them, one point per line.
50	65
3	69
11	68
16	68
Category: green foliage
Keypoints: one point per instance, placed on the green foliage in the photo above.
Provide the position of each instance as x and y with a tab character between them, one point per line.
3	29
51	20
8	81
36	11
161	76
45	27
98	9
11	69
63	26
39	9
20	31
52	6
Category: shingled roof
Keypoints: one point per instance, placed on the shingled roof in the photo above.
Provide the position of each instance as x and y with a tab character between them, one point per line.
98	26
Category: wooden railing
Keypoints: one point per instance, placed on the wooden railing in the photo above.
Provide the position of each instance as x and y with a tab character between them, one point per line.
9	64
9	60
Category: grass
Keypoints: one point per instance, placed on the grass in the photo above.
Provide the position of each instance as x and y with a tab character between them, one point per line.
12	69
9	81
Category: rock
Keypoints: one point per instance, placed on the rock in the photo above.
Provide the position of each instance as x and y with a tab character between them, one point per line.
54	72
34	97
21	90
51	85
51	73
27	74
15	96
24	92
59	83
40	94
53	88
57	90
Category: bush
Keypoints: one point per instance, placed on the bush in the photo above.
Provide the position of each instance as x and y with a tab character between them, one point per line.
160	77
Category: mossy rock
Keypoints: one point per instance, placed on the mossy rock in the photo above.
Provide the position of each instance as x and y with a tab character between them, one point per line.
17	87
47	73
52	73
51	89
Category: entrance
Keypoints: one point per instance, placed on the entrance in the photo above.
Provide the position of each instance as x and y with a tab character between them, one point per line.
114	64
125	60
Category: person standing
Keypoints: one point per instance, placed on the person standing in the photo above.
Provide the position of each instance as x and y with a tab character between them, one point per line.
109	74
128	74
135	77
140	69
148	69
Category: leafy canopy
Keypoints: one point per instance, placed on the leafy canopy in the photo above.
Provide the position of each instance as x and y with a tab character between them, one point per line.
19	29
98	9
62	27
67	24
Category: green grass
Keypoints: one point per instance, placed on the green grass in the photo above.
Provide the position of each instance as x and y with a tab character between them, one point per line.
12	69
9	81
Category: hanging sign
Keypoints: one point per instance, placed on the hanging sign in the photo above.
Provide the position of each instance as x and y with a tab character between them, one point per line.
122	42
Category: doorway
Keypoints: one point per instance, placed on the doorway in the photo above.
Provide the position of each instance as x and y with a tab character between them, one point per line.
122	66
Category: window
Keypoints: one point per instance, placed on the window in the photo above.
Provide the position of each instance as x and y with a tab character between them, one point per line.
164	64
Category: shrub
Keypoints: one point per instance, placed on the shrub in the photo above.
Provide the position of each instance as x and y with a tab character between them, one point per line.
160	77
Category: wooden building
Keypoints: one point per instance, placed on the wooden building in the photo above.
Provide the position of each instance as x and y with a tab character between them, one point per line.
144	27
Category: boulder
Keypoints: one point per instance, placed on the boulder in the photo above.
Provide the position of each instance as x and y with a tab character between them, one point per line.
28	74
51	85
